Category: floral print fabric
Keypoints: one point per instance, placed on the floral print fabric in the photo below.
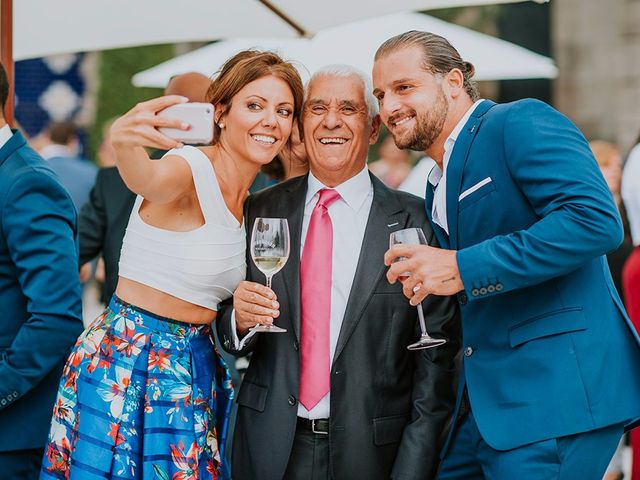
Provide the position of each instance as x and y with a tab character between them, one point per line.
141	397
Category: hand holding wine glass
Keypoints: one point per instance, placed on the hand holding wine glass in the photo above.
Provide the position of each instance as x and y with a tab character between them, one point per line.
270	248
415	236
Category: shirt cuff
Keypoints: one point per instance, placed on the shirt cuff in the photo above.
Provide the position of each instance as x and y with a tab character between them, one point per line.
237	343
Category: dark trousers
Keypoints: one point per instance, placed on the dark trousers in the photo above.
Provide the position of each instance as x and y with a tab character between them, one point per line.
309	458
584	456
21	464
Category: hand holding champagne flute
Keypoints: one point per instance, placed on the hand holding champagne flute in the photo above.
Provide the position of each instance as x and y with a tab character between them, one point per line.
270	251
415	236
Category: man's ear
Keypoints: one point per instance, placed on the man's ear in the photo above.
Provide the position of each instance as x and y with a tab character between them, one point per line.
454	81
375	130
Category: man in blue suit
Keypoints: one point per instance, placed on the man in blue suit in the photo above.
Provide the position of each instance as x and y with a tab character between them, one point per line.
76	173
551	362
39	297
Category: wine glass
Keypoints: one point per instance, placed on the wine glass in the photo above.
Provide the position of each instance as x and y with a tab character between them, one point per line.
414	236
269	251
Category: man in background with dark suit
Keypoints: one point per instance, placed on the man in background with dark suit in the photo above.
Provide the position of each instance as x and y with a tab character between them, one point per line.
349	400
39	297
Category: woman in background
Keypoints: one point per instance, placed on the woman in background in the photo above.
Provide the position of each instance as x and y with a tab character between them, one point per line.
144	394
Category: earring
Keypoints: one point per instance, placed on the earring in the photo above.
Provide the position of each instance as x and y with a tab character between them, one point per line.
221	125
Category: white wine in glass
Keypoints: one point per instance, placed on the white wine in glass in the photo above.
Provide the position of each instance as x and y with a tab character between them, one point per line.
270	251
414	236
269	265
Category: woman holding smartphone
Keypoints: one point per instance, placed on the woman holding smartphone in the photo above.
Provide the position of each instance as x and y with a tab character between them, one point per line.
144	393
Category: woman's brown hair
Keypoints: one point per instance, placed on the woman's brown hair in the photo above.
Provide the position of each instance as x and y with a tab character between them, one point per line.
246	67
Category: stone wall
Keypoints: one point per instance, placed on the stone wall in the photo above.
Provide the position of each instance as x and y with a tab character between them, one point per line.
596	46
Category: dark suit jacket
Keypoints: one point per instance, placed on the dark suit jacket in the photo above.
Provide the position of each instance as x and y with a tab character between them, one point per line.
389	406
39	293
102	223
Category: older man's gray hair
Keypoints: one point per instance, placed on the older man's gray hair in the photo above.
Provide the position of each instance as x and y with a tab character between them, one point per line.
346	71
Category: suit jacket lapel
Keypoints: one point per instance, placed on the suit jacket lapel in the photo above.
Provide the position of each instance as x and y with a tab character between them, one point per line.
441	235
291	271
386	216
456	166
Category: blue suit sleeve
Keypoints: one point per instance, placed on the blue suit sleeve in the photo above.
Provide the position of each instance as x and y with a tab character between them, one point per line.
551	163
39	225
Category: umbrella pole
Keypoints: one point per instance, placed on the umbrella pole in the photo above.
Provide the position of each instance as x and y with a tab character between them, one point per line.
6	52
285	18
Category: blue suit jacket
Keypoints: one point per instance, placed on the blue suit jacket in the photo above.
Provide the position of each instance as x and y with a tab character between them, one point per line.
77	175
548	349
39	293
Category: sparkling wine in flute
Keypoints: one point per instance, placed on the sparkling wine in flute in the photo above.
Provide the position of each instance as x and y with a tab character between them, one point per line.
270	251
414	236
270	265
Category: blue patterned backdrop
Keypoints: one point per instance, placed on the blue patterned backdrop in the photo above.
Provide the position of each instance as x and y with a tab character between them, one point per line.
48	89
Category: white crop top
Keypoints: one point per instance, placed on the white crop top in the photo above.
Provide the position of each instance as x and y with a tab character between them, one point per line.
202	266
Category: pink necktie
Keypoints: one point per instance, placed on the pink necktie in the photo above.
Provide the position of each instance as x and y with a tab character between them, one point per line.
315	297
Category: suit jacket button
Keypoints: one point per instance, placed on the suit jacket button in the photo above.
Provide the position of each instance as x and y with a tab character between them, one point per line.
475	292
292	400
462	298
483	291
3	402
296	346
499	287
468	351
491	289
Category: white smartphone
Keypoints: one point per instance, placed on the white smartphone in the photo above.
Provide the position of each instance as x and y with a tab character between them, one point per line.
198	115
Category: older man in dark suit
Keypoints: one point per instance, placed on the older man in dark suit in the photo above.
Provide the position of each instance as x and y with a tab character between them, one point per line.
347	400
39	297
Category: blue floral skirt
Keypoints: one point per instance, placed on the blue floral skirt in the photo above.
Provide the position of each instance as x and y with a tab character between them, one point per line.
141	397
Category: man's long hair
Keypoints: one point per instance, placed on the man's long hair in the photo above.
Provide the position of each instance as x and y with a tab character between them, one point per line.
439	55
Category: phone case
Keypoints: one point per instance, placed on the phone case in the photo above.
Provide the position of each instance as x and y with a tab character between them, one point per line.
198	115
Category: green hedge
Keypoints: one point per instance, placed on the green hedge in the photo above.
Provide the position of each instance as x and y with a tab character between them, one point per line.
116	94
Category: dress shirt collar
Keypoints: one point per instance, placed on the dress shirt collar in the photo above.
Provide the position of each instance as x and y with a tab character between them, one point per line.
436	174
5	135
354	191
55	150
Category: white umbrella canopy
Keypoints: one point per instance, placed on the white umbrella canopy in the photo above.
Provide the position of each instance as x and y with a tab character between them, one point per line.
355	44
48	27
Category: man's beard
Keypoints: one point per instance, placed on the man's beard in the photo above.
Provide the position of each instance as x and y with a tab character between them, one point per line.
428	127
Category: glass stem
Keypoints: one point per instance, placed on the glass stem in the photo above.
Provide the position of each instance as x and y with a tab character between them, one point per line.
269	277
423	326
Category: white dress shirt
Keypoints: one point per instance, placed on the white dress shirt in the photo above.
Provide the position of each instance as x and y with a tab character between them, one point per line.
416	181
630	192
5	135
438	178
349	215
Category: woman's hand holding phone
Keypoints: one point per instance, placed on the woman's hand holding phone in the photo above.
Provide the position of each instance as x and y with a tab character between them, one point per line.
139	127
199	117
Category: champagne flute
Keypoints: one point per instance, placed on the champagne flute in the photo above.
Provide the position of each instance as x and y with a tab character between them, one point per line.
414	236
270	251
